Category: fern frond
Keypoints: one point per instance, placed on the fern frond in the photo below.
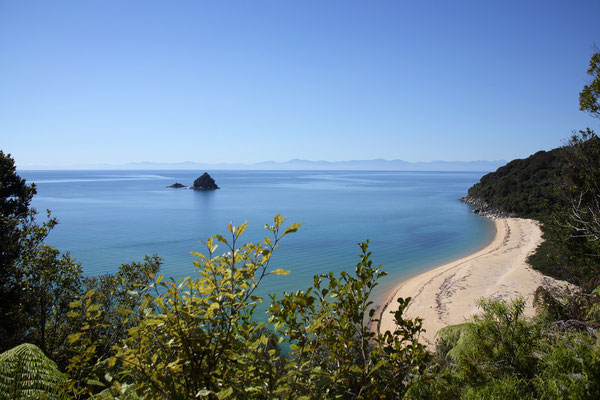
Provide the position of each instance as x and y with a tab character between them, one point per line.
26	373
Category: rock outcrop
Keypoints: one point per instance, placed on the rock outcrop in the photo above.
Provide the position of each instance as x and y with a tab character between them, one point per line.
484	208
205	182
177	185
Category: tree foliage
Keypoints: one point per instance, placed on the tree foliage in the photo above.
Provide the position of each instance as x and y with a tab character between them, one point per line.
196	336
578	224
16	235
37	283
501	354
99	319
590	95
200	337
52	281
525	187
335	352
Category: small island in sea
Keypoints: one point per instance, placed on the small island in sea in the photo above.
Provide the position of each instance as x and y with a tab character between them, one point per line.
205	182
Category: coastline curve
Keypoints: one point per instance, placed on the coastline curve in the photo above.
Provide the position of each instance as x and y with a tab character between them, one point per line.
447	294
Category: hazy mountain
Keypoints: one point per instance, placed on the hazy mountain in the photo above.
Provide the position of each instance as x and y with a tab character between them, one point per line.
298	164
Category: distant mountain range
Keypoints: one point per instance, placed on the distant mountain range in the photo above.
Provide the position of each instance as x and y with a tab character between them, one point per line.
298	164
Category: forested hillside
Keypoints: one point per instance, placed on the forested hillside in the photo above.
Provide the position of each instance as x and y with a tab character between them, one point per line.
525	187
559	188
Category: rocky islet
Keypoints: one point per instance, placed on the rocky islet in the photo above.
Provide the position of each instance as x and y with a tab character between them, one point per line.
203	182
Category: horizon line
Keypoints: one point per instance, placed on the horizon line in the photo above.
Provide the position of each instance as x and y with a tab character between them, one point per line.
344	164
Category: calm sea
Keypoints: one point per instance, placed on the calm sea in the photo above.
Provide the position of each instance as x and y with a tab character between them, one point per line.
413	219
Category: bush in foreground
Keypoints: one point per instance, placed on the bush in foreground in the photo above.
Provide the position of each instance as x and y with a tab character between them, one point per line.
198	338
501	354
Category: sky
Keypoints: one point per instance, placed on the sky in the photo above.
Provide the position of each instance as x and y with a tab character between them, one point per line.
86	82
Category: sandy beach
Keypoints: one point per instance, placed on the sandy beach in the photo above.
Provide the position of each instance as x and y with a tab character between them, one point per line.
446	295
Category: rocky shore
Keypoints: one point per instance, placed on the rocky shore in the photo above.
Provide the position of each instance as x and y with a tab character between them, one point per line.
484	209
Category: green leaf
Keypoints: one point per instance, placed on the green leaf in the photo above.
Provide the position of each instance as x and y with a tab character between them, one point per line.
221	239
356	369
278	220
203	393
75	304
280	271
292	228
240	229
74	337
94	307
212	309
380	364
225	393
269	227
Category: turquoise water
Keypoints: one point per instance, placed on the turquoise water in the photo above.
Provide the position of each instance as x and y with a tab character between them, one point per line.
413	219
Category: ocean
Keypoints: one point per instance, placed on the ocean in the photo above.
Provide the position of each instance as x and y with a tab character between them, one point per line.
413	219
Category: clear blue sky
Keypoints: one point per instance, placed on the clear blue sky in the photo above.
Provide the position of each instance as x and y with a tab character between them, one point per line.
244	81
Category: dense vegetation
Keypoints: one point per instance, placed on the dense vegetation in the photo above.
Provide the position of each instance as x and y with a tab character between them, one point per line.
525	187
138	335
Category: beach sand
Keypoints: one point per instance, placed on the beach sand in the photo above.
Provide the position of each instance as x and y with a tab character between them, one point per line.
447	295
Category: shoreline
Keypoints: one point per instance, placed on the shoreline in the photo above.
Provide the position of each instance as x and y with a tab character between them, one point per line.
446	294
390	294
